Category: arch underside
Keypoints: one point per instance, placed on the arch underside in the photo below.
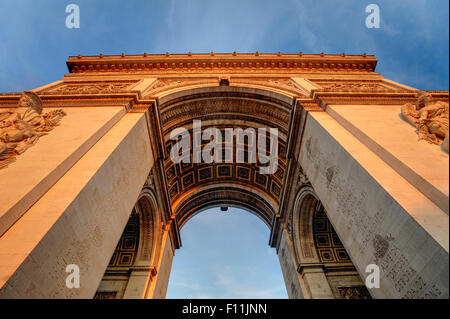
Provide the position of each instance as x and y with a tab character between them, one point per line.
193	187
224	195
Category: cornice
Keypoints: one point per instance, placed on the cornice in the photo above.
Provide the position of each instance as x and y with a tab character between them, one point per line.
364	98
226	62
439	95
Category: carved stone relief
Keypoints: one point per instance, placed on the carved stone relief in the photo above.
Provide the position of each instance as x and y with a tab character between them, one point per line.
89	88
381	245
406	281
347	86
19	131
149	182
429	117
302	180
284	84
173	83
355	292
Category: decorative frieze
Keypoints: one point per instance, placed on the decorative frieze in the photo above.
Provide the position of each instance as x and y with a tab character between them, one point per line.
283	84
166	84
82	88
354	86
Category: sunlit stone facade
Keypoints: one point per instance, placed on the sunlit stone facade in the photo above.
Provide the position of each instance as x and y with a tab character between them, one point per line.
354	186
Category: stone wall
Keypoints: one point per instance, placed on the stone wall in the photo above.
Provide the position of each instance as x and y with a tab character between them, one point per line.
79	220
291	277
364	199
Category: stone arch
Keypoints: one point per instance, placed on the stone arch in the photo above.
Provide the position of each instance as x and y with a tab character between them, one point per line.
194	187
150	230
224	195
280	86
324	265
302	230
224	107
132	265
237	103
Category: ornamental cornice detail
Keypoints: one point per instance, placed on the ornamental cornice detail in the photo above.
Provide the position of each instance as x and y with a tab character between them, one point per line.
222	62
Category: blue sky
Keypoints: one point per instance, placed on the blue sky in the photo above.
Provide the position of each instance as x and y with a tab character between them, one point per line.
411	45
224	255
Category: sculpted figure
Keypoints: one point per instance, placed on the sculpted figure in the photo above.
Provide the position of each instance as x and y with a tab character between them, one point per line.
19	131
429	117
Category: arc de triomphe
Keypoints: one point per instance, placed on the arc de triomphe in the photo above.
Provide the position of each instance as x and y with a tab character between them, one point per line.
354	185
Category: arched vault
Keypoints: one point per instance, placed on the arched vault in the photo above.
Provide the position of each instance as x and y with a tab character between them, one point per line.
193	187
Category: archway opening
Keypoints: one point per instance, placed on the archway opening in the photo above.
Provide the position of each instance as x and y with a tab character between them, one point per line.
225	254
126	275
324	264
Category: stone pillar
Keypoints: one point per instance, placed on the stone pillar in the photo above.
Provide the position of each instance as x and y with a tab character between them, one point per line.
79	219
140	278
380	217
160	282
315	281
292	280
